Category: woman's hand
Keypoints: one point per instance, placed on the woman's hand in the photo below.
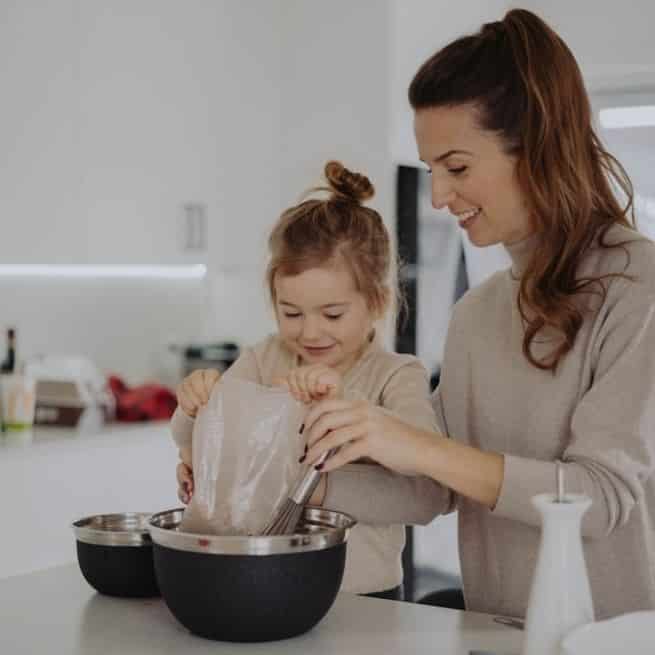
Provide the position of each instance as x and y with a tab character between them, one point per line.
194	391
360	429
311	383
185	488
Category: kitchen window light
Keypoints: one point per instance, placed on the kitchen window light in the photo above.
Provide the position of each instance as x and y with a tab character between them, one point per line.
193	272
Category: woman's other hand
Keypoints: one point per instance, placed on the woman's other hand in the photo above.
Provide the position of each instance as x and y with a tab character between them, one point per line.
185	488
194	391
312	383
360	429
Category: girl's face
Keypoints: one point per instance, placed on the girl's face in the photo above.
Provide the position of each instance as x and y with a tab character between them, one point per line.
322	317
472	175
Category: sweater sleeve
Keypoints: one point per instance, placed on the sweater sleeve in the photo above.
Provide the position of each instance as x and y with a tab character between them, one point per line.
377	496
245	368
611	451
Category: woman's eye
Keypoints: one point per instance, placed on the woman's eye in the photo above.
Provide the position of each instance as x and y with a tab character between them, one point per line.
458	170
333	317
291	315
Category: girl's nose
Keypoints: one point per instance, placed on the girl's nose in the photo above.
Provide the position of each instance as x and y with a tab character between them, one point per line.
310	329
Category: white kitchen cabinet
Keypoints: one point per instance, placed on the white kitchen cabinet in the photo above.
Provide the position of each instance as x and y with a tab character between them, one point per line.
117	114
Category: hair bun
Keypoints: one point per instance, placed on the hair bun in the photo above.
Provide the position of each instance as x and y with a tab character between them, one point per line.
347	184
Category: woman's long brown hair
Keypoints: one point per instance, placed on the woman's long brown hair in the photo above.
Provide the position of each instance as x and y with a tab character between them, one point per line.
527	87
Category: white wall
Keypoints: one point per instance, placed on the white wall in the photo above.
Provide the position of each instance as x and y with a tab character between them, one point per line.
117	114
612	41
121	113
335	89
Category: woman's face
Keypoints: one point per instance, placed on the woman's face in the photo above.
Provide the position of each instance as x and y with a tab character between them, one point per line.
472	175
322	317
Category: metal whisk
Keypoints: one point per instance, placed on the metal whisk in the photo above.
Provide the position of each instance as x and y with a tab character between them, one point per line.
286	520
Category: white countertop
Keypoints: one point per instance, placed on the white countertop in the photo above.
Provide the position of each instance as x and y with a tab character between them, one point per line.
60	475
22	443
55	611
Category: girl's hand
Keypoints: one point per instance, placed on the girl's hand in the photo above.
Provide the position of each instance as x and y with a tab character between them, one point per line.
311	383
361	429
194	391
185	488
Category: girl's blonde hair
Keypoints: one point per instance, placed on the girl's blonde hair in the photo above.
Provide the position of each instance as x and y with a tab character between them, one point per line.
336	229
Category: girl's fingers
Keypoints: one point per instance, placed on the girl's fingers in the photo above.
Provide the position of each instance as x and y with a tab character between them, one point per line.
313	377
197	383
188	396
180	473
187	408
210	378
303	384
294	386
185	484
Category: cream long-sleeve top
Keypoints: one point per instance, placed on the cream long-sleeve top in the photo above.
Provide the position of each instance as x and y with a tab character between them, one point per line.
381	501
596	413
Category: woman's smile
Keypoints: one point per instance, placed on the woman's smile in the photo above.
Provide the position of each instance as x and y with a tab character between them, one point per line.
467	218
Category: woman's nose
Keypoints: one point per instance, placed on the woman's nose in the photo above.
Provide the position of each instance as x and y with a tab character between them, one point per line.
442	193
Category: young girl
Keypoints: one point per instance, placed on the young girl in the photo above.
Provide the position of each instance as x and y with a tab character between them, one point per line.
328	278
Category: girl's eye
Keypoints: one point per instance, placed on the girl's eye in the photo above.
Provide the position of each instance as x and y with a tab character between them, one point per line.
291	315
333	317
457	171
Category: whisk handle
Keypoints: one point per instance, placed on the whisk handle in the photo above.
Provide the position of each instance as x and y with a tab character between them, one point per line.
305	488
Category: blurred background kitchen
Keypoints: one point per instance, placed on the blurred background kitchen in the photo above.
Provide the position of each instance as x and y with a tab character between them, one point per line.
148	146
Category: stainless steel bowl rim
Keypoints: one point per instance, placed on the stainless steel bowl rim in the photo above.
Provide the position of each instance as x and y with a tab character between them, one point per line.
327	528
97	536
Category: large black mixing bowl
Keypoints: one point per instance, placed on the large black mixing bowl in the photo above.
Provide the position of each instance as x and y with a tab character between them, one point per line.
114	552
251	588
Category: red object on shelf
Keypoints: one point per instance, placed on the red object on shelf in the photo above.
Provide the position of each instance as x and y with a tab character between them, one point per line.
147	402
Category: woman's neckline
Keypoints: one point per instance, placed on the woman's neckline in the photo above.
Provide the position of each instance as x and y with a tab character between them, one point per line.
520	253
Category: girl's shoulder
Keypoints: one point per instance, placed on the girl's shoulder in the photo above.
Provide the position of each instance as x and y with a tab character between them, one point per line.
271	358
382	363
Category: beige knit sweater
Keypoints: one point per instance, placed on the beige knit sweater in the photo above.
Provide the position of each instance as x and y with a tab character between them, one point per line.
596	414
398	383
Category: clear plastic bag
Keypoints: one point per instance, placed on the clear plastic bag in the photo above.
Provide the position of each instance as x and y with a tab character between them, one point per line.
246	448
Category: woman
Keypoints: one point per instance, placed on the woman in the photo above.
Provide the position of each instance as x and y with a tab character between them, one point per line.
550	360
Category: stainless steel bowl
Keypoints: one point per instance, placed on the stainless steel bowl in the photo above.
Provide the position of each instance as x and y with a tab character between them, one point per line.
257	588
128	529
114	552
319	529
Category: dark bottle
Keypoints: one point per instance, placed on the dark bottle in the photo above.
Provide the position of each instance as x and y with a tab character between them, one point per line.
9	362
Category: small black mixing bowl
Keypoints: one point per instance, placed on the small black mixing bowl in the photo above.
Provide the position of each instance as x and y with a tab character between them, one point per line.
114	552
251	588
